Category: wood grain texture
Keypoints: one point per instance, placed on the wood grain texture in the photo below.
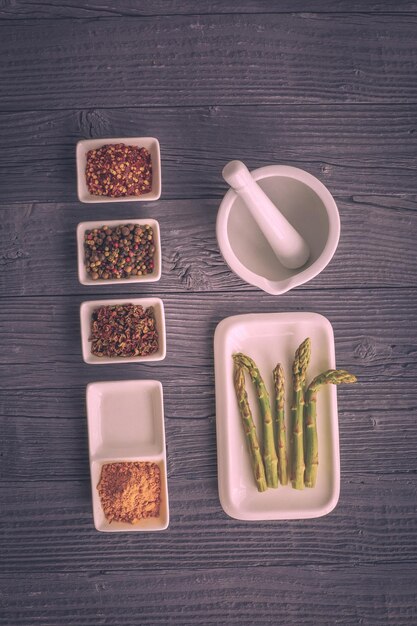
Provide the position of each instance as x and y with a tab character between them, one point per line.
377	441
38	251
79	9
42	333
288	594
219	59
353	151
374	524
43	427
325	85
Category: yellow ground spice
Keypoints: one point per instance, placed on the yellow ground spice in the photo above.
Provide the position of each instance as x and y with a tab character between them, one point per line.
130	491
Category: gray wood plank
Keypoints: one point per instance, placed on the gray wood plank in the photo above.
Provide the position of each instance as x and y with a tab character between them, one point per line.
67	403
360	594
218	59
374	523
42	411
38	253
372	336
52	9
353	150
372	441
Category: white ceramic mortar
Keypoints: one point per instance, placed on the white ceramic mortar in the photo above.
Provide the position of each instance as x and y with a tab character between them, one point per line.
308	206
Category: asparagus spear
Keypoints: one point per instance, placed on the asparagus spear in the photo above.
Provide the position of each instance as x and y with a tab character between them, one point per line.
299	368
268	449
334	377
280	423
250	429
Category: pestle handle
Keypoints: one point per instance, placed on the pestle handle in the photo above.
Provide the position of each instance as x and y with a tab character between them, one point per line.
285	241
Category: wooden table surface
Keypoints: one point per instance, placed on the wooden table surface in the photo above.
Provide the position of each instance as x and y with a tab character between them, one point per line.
327	86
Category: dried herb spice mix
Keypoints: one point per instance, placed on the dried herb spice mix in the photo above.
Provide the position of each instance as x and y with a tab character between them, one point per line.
123	251
123	330
117	170
130	491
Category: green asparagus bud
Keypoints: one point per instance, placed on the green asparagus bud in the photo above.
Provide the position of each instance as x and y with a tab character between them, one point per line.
333	377
301	361
279	381
268	448
250	429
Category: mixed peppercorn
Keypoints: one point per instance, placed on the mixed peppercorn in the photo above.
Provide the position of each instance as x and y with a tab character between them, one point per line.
117	170
122	251
123	330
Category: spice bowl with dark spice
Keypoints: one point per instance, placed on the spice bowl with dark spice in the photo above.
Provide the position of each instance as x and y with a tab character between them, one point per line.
131	331
119	251
118	169
127	455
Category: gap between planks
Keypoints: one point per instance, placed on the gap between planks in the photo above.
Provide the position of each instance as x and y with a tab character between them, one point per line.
201	294
409	104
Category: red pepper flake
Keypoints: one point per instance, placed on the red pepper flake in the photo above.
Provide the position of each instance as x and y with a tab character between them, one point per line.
123	330
117	170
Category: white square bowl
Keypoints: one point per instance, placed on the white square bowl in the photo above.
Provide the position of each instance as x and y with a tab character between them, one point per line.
126	423
86	311
148	278
150	143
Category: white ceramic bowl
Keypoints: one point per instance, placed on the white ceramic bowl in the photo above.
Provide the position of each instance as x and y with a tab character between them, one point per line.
126	423
150	143
85	279
308	206
86	311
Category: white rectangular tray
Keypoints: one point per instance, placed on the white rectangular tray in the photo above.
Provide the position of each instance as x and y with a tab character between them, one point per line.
269	339
126	423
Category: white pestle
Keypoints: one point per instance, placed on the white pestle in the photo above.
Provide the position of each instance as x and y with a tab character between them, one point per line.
285	241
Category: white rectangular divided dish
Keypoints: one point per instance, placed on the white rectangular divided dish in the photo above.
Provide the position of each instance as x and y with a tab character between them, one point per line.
270	339
85	279
126	423
86	312
150	143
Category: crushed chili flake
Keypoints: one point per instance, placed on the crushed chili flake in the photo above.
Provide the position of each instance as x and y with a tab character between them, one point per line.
123	330
117	170
130	491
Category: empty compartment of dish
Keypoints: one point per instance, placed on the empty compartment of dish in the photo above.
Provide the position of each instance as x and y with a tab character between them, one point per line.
125	418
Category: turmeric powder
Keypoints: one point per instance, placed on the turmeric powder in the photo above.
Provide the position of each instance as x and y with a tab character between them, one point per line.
130	491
